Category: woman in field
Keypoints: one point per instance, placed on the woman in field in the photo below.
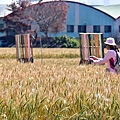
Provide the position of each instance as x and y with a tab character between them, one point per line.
110	57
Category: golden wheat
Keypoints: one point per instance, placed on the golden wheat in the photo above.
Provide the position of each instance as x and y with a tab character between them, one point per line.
57	89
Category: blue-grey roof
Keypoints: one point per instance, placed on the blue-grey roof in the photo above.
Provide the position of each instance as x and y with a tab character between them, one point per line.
112	10
3	10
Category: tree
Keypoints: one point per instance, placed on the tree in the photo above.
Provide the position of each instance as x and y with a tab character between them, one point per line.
49	16
17	20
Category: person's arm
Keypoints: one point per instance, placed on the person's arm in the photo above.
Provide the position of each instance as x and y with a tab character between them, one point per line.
104	60
95	58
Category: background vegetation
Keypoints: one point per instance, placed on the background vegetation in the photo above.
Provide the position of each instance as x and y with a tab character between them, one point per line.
60	42
51	42
56	89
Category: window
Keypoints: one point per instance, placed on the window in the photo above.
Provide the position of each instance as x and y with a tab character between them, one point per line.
1	25
107	28
119	28
70	28
29	27
96	29
82	28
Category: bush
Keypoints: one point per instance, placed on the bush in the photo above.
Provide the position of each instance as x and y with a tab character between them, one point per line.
61	42
73	43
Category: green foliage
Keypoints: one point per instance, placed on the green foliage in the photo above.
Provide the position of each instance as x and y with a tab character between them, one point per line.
66	42
82	108
61	42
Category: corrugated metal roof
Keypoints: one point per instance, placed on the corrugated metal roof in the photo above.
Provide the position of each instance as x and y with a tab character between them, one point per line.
3	10
112	10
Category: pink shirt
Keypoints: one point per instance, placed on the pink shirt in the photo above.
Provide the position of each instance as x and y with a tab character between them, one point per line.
111	54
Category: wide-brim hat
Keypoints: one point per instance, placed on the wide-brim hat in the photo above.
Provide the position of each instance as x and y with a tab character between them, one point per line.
110	41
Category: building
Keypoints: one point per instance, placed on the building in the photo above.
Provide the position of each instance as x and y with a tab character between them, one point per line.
83	18
3	12
92	19
113	10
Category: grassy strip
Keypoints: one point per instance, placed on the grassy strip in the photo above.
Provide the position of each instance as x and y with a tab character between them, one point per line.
10	53
62	55
37	56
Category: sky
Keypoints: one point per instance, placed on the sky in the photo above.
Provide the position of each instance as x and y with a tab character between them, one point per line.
89	2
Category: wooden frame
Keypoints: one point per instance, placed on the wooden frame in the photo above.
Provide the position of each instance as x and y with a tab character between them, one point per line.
91	44
24	49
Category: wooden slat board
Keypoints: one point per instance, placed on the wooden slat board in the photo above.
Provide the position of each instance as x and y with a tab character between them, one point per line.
97	45
100	41
87	46
22	47
17	46
26	45
93	45
83	50
31	48
28	40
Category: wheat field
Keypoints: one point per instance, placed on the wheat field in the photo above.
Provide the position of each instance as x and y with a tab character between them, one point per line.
56	88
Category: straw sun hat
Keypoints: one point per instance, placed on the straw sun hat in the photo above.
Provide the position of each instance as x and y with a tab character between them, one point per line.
110	41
